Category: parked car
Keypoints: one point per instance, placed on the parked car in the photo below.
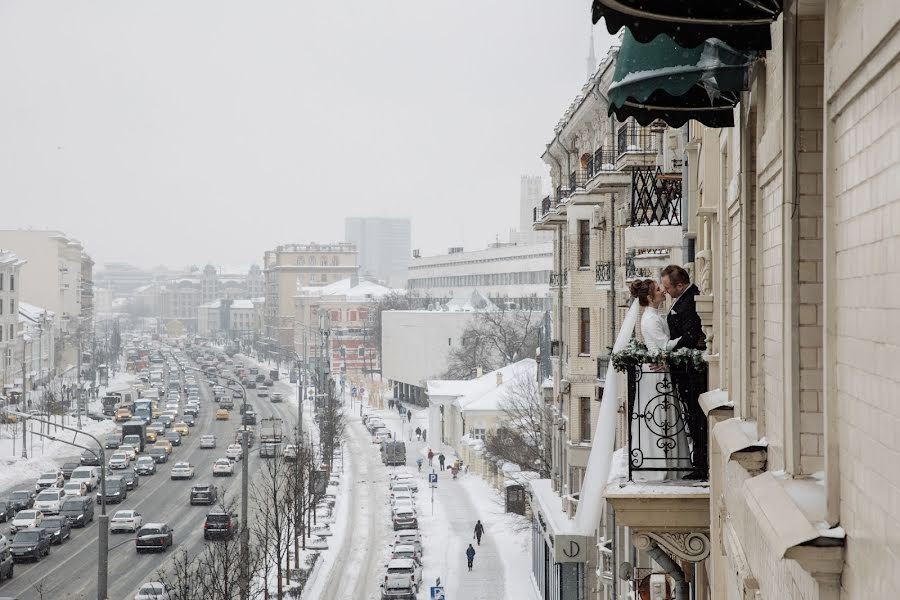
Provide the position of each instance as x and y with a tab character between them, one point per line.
401	577
404	518
220	525
406	551
30	544
67	469
49	501
182	470
58	527
152	590
51	479
78	510
153	536
223	467
410	537
204	494
25	519
125	520
207	442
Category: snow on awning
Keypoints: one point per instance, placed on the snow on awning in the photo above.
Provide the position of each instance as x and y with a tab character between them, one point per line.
663	80
742	24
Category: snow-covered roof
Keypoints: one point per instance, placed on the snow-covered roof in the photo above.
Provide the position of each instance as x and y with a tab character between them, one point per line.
10	259
485	393
240	304
30	312
361	289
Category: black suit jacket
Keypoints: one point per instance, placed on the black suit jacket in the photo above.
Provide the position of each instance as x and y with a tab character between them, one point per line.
684	322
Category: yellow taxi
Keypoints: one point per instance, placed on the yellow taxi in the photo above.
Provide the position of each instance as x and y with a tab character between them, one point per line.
122	414
222	415
150	437
164	444
181	428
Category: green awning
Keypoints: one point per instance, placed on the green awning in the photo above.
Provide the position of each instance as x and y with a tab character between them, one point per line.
662	80
742	24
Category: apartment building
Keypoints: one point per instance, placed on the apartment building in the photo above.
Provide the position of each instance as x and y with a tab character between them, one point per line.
226	319
290	266
10	284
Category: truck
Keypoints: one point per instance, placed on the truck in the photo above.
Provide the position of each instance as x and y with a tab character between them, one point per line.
270	431
138	428
393	453
143	409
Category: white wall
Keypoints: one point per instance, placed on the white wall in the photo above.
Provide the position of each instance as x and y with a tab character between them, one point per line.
415	343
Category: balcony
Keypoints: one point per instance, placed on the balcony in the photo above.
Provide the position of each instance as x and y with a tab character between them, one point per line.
558	280
632	271
604	275
656	212
636	147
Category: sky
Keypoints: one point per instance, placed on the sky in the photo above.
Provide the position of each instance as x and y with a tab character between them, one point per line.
194	131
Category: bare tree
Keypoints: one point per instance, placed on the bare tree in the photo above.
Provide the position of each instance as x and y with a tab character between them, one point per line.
494	338
274	517
521	438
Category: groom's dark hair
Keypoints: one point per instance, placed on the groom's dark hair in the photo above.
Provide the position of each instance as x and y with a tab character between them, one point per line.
676	275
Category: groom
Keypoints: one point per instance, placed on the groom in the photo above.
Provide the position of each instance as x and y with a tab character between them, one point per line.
684	323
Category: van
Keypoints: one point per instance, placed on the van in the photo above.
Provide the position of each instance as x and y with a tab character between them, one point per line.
78	510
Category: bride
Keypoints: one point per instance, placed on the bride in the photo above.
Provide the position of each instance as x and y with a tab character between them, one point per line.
659	439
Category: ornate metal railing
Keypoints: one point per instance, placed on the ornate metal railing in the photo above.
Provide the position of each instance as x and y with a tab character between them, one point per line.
655	197
546	205
659	421
604	272
635	139
633	272
559	279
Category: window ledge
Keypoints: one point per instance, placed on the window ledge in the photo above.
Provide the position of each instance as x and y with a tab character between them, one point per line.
738	441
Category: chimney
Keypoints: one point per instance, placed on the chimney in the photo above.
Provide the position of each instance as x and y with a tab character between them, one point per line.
499	378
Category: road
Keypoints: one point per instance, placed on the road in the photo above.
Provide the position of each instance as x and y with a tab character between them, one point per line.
71	569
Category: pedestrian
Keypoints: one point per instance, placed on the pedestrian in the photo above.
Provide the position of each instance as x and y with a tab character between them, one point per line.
441	459
390	403
430	457
479	531
424	435
470	555
419	463
409	416
418	433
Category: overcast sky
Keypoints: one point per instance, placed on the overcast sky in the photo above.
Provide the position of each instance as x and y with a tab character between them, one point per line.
193	131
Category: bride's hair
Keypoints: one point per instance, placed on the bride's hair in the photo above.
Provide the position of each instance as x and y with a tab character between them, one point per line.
641	289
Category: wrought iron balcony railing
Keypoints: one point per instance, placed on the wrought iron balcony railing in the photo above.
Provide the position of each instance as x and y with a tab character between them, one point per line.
602	160
633	272
655	197
659	422
559	279
604	272
632	138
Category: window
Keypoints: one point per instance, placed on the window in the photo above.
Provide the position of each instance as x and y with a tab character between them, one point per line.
12	307
1	281
12	283
584	243
584	323
361	352
477	433
586	423
1	334
12	333
1	306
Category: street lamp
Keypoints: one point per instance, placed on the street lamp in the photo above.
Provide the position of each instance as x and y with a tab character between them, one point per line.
103	534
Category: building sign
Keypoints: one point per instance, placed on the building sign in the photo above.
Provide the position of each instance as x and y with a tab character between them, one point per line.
570	549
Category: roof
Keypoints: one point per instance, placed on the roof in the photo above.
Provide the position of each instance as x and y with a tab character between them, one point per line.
10	259
362	289
484	393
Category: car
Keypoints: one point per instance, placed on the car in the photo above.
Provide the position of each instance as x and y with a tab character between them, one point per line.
164	443
145	465
20	499
248	418
6	564
49	501
6	511
237	394
119	460
59	529
226	403
30	544
373	424
89	476
404	518
166	420
49	480
67	469
411	537
268	383
189	419
247	407
125	520
260	378
158	454
204	494
122	415
191	410
77	488
152	590
381	435
207	442
401	577
289	452
250	384
262	392
174	437
129	451
222	415
116	491
404	479
234	452
181	427
182	470
406	551
223	467
25	519
156	427
220	524
401	496
131	479
112	441
153	536
276	397
78	510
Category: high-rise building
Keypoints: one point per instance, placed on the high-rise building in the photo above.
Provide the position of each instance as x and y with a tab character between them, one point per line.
384	246
531	190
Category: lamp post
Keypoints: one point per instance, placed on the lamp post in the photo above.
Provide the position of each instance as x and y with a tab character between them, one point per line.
103	534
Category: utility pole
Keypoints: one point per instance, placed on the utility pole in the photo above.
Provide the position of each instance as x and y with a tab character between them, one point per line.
78	381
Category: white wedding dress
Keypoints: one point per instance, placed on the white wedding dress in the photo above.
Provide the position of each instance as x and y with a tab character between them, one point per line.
658	433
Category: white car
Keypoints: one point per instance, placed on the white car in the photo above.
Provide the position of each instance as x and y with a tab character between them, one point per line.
403	505
223	467
129	450
403	570
49	480
49	501
234	452
89	476
405	480
77	488
381	435
289	452
182	470
152	590
207	441
411	537
119	460
126	520
25	519
401	496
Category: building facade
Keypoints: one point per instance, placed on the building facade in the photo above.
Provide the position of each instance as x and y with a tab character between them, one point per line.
10	283
289	267
384	246
531	192
227	319
510	275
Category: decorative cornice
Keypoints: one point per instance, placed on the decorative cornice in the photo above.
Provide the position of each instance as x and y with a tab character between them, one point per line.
691	546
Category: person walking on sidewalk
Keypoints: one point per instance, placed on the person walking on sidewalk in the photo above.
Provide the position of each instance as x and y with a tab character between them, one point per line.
430	456
418	433
479	531
424	435
470	555
409	416
441	459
